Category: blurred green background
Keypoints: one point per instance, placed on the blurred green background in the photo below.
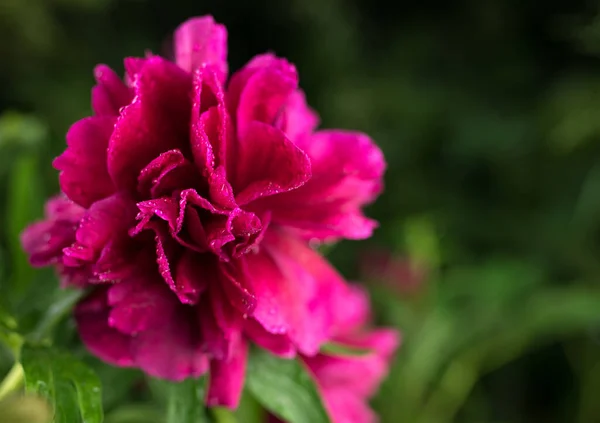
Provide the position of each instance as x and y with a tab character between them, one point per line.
488	112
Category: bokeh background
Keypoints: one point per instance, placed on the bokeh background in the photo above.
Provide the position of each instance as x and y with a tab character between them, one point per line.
488	111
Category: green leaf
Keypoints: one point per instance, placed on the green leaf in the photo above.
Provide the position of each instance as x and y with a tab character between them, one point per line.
71	386
250	410
136	413
61	306
186	401
285	388
25	202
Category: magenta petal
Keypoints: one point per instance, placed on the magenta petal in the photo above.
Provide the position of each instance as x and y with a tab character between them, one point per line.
214	342
221	192
166	173
227	378
298	121
267	163
156	121
280	345
352	309
233	282
110	94
141	308
133	66
265	93
91	315
211	128
44	241
106	220
200	41
171	350
191	277
309	288
344	406
278	300
83	174
347	170
239	79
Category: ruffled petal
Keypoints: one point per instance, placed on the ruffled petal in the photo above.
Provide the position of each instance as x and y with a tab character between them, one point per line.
362	373
265	93
161	337
171	350
110	93
297	120
211	130
106	220
280	345
166	173
105	342
266	163
201	41
295	291
83	173
156	121
347	170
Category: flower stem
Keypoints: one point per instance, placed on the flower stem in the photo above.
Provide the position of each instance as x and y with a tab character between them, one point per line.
13	380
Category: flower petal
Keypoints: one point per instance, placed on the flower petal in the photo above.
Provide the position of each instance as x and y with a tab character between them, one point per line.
171	350
304	293
106	220
211	129
91	315
200	41
227	377
344	406
141	305
265	93
347	170
166	173
191	277
156	121
280	345
298	121
110	93
266	163
83	173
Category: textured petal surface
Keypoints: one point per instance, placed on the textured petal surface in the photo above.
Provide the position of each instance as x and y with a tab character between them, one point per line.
297	120
166	342
110	93
105	342
347	170
156	121
295	290
227	377
211	129
83	174
44	241
107	220
201	41
266	163
265	93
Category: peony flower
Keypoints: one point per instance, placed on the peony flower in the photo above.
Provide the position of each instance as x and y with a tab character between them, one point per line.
348	381
187	205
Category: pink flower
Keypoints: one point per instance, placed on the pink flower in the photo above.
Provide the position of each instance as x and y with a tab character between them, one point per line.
188	205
